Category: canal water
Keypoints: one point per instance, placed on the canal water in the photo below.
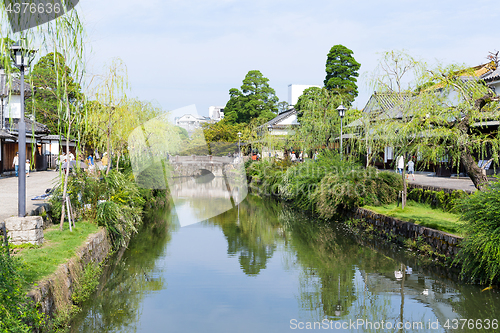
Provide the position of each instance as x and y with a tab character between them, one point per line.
264	267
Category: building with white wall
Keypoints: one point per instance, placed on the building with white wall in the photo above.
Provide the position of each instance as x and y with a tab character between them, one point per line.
191	122
216	113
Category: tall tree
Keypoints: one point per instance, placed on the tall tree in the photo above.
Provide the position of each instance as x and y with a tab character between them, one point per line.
47	77
341	72
318	118
256	99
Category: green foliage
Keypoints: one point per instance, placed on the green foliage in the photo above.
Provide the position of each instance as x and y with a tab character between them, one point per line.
480	253
445	120
17	311
437	199
53	81
326	186
353	188
59	246
113	201
222	131
87	283
319	118
256	100
341	72
422	214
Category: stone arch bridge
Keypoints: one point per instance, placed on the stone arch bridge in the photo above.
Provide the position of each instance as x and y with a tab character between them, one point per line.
197	166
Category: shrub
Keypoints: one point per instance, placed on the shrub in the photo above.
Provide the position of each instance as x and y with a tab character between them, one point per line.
113	201
17	311
480	253
437	199
339	192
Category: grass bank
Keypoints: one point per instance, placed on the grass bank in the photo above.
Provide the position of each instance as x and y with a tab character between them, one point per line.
424	215
59	246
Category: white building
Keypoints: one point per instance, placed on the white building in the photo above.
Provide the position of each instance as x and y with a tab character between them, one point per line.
191	122
295	91
216	113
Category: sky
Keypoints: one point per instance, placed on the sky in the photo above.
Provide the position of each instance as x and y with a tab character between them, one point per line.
187	52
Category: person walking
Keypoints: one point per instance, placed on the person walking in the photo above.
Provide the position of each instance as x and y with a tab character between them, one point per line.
15	163
411	169
400	164
27	168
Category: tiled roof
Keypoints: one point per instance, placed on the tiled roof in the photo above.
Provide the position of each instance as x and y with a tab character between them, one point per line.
385	105
279	118
15	87
492	75
30	124
4	134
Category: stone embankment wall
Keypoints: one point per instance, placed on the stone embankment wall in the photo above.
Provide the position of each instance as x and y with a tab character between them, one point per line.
441	242
54	293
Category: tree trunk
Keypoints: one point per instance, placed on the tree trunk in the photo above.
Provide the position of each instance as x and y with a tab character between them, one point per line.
117	160
108	143
475	173
66	175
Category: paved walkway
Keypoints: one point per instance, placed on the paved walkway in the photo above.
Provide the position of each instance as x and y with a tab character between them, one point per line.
428	179
443	182
36	184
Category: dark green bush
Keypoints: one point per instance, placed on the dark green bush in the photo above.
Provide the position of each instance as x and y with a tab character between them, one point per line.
480	253
339	192
327	185
437	199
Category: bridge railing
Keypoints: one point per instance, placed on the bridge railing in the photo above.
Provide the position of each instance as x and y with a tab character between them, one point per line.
202	159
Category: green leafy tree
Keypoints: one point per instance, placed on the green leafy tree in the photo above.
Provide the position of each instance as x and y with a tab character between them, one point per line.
46	77
319	119
256	99
341	72
446	120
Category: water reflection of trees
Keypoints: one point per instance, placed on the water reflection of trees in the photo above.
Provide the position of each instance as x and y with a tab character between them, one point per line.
252	232
328	257
115	306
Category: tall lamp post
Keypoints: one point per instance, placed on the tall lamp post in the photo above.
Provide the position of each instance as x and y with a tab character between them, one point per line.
341	109
270	129
239	149
21	57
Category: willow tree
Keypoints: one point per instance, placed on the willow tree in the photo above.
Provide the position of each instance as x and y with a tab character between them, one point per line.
63	34
319	119
442	115
108	109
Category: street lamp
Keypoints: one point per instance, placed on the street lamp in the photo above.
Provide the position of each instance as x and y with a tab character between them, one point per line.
21	58
270	129
341	109
239	149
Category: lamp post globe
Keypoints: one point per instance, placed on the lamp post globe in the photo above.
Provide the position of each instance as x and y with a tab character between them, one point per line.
21	58
341	109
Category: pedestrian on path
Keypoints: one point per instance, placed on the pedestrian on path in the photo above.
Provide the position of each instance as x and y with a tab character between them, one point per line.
400	164
27	168
411	169
15	163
